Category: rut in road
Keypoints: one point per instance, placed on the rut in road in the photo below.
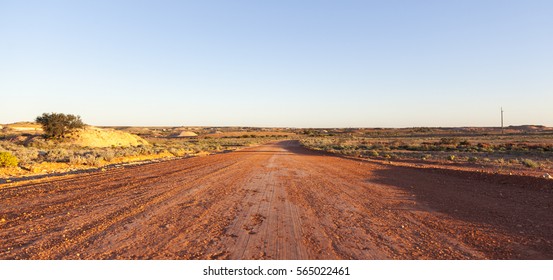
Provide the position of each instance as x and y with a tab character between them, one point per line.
277	201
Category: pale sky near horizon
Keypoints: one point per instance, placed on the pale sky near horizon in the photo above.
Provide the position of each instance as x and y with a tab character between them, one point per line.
278	63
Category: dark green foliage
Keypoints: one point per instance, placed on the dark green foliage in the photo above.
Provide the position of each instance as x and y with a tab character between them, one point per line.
58	125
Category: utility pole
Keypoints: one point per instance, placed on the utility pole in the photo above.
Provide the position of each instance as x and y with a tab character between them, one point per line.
501	120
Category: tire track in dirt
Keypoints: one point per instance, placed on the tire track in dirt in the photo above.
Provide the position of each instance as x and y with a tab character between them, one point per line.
106	206
365	213
277	201
123	215
268	225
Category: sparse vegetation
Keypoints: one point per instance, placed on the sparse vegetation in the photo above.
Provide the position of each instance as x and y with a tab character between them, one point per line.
86	148
8	160
428	145
530	163
517	150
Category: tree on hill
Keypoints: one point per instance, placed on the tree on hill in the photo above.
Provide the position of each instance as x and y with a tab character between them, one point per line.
58	125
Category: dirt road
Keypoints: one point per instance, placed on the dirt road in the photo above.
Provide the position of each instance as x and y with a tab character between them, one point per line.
278	201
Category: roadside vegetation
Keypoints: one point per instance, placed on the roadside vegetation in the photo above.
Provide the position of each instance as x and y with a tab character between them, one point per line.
37	148
524	150
44	156
62	143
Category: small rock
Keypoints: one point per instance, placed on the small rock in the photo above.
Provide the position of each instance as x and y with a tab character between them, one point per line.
547	176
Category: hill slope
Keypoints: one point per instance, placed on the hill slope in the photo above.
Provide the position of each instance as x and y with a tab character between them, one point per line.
98	137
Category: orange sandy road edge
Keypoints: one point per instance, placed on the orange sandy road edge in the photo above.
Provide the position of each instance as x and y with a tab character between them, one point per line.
276	201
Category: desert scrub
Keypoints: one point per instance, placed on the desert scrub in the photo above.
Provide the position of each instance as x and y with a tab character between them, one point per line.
373	153
92	160
24	154
451	158
77	160
107	155
27	155
177	152
8	160
449	141
57	155
530	163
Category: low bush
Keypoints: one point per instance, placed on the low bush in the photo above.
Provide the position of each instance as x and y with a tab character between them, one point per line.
530	163
449	141
177	152
107	155
8	160
57	155
77	160
92	160
27	155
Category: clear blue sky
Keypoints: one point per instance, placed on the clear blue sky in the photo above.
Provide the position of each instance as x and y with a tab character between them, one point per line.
278	63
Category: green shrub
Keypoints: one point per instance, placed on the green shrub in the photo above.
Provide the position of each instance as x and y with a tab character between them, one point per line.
530	163
57	125
8	160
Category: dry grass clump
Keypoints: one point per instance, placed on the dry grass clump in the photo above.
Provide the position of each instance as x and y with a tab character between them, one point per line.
530	163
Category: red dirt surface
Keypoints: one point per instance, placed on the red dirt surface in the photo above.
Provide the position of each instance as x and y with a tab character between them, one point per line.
278	201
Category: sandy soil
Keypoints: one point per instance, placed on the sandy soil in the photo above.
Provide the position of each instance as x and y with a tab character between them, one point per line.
278	201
